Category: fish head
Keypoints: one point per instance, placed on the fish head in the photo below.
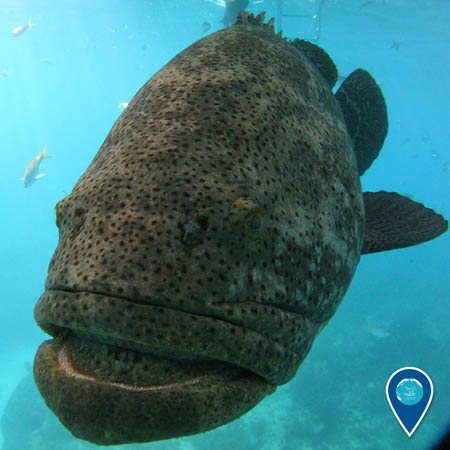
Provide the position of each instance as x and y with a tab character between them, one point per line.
199	255
182	282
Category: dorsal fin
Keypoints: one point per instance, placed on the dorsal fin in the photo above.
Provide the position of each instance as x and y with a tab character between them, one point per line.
365	114
395	221
320	58
246	18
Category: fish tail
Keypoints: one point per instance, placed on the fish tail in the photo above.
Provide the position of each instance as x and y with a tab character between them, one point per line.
44	154
30	24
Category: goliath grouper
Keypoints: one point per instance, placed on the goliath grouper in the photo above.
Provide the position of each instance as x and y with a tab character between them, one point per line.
213	236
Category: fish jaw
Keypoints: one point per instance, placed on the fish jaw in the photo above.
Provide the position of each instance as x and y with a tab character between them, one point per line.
109	387
94	398
173	333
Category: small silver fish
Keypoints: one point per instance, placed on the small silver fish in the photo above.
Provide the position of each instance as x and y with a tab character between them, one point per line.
31	172
379	333
22	28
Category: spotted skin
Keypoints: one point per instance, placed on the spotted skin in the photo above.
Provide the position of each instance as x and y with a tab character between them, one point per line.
211	238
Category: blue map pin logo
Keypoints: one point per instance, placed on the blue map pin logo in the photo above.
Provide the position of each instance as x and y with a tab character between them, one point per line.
409	392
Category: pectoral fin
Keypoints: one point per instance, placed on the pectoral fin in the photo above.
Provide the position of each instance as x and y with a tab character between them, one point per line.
365	113
395	221
39	176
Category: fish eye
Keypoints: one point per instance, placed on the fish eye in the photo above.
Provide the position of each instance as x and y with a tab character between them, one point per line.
255	224
249	213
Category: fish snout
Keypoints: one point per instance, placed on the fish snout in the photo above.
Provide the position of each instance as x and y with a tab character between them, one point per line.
162	312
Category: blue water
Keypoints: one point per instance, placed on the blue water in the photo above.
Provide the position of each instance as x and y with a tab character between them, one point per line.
60	85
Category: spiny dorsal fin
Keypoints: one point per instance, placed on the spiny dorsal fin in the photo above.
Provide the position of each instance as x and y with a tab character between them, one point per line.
320	58
365	113
394	221
246	18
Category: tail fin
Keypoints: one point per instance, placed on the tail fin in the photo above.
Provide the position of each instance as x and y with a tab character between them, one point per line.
29	24
44	154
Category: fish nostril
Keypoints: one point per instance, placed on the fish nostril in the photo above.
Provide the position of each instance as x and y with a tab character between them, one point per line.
193	230
203	222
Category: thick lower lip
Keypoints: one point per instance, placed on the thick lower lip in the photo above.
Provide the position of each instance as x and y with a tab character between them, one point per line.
108	395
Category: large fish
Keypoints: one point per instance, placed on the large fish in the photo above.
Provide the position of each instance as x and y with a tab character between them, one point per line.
213	236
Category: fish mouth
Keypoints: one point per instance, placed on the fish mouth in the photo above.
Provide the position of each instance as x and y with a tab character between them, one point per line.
263	344
109	394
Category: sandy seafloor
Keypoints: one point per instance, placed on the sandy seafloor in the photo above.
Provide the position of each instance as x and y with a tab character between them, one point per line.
60	85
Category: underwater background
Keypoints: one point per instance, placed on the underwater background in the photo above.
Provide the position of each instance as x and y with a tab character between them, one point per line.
62	83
